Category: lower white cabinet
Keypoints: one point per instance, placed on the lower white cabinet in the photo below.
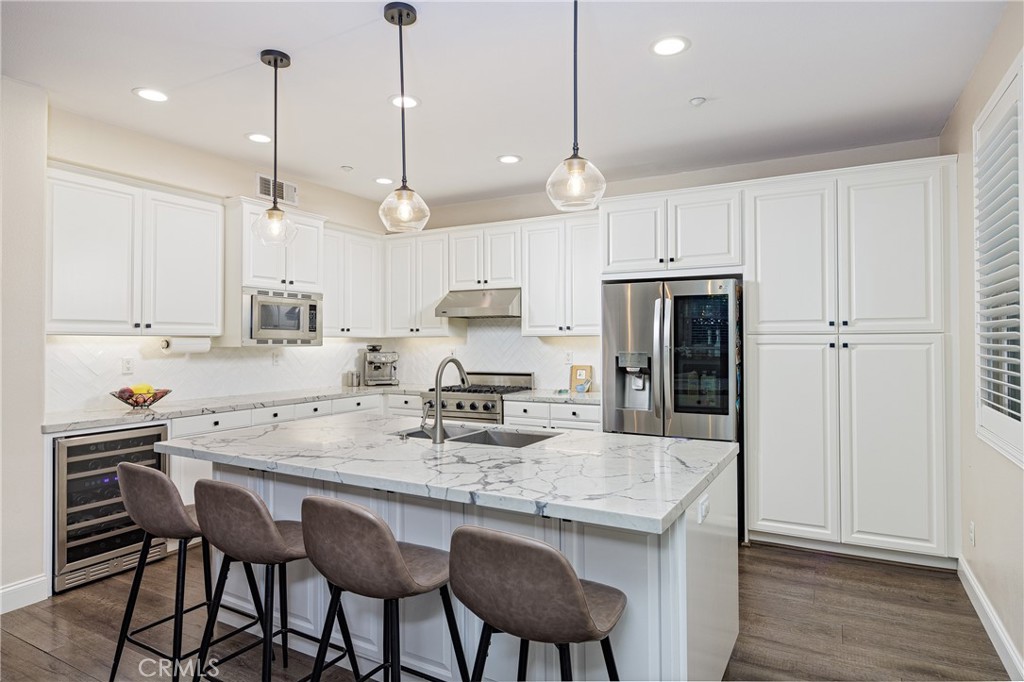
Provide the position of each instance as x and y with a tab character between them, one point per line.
563	416
404	405
845	439
358	403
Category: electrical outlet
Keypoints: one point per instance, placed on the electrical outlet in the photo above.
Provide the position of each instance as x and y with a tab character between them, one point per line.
275	358
970	533
568	357
127	365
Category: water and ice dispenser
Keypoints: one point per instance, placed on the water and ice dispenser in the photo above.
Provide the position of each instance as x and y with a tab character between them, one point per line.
633	381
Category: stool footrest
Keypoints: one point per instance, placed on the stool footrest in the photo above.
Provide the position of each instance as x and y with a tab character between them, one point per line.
259	642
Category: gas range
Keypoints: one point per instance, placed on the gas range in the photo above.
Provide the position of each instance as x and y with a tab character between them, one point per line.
481	400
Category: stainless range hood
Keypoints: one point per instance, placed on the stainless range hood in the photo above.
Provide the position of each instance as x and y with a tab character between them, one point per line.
480	303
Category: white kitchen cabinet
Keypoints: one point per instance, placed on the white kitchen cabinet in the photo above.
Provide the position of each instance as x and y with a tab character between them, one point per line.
560	416
372	402
416	281
296	267
633	234
273	415
561	279
484	258
127	260
892	442
404	405
854	251
185	471
352	284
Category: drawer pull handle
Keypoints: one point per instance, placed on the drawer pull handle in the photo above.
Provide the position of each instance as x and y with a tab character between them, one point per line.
216	422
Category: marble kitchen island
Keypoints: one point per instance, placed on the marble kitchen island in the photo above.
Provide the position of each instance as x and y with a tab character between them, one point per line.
655	517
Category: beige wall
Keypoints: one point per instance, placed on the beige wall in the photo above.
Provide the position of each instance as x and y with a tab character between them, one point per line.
85	142
537	204
23	169
992	487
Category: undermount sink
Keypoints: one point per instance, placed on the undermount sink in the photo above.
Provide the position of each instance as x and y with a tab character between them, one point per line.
450	431
504	439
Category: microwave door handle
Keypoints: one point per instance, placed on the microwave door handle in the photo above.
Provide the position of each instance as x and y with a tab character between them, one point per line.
656	360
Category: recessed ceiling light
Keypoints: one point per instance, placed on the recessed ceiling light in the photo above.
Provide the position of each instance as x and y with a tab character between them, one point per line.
510	158
409	101
384	181
347	169
667	47
697	101
150	94
259	138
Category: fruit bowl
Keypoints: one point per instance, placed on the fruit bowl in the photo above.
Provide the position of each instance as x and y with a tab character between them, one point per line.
140	400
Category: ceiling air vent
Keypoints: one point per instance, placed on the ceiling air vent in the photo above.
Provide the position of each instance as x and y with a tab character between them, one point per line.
287	192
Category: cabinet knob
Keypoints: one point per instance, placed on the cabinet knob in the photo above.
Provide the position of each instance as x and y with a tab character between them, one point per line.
411	329
561	329
283	282
846	345
149	326
568	328
136	325
216	422
406	402
275	415
661	260
417	328
831	323
574	414
832	345
359	404
291	281
316	409
846	323
524	410
479	282
672	260
485	281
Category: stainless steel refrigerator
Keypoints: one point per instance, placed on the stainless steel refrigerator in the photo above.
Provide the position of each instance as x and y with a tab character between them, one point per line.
672	356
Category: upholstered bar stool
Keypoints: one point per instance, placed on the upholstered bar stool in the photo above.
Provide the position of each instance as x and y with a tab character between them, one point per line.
356	551
154	504
528	589
237	522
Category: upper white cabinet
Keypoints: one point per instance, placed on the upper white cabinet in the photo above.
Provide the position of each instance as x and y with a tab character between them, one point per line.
126	260
296	267
698	228
416	281
484	258
861	253
561	278
352	284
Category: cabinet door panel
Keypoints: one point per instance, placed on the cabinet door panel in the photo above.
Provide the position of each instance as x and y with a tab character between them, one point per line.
792	229
362	286
93	252
262	266
893	442
544	279
401	273
333	305
583	292
704	229
432	284
465	264
307	589
792	435
890	236
501	257
183	265
633	235
305	256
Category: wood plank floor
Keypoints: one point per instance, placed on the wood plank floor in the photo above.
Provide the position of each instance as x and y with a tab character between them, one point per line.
803	616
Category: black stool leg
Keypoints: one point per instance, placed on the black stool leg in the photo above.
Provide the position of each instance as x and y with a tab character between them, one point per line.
396	648
325	636
385	653
453	629
524	656
211	619
481	653
179	610
609	660
564	661
207	578
268	619
129	609
346	636
283	586
257	601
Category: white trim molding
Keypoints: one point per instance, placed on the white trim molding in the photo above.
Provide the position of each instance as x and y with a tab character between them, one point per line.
24	592
1001	640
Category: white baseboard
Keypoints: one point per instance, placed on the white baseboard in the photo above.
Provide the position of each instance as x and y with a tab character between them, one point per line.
24	592
1001	640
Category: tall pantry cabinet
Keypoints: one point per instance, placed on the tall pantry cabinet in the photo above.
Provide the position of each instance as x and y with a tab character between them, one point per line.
845	356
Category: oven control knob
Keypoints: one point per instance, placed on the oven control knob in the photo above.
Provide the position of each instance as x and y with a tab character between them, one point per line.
460	405
430	404
444	404
472	406
488	407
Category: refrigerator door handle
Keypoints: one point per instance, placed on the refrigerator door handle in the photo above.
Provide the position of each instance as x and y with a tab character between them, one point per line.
656	361
668	358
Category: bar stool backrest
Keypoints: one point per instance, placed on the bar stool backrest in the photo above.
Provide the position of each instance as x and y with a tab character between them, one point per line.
237	522
153	502
355	549
519	585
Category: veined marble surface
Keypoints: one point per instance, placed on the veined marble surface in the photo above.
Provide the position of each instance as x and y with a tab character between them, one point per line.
169	408
551	396
640	483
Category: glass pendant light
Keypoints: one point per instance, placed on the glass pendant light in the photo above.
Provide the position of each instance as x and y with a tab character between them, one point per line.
273	227
403	210
576	184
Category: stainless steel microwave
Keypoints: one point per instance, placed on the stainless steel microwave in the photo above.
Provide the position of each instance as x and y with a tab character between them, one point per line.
279	318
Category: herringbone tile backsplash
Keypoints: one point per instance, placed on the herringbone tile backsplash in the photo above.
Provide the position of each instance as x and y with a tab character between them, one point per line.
81	370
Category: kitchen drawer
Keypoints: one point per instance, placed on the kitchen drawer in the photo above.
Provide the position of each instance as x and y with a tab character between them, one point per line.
407	403
205	423
357	404
566	412
270	415
575	425
518	408
320	408
525	422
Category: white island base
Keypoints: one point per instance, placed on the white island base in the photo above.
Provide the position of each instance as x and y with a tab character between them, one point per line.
680	622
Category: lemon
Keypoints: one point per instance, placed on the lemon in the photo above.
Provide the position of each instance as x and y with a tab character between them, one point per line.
142	388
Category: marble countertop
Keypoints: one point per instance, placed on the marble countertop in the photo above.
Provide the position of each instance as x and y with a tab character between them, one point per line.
552	396
169	408
641	483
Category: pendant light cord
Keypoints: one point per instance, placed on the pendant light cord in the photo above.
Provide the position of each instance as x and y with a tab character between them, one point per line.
575	97
273	190
401	82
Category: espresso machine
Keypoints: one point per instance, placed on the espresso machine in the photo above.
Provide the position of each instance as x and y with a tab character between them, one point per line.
380	368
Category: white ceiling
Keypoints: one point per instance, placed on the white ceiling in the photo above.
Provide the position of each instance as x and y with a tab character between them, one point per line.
781	78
